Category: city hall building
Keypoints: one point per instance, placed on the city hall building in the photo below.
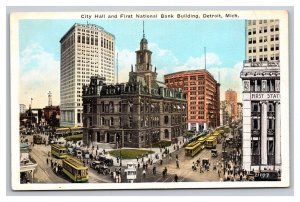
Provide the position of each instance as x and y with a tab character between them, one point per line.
133	114
261	97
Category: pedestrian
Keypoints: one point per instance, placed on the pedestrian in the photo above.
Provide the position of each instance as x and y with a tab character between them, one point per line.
144	173
137	159
154	170
166	171
176	178
139	165
47	161
161	162
177	163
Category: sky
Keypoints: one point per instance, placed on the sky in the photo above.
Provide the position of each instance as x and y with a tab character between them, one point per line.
177	45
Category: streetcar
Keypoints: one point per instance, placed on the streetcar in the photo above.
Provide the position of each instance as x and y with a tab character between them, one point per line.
217	134
38	139
193	148
211	142
59	151
202	140
75	170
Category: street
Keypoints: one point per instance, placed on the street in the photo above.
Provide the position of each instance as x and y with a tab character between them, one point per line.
214	171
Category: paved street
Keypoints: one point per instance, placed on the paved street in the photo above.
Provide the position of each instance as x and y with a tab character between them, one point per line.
44	173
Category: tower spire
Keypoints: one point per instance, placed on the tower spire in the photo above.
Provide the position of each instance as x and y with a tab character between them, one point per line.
143	30
205	58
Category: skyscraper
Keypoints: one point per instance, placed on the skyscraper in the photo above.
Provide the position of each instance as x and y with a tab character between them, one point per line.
86	50
261	97
262	40
231	98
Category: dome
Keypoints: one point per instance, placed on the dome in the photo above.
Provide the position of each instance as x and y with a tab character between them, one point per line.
144	40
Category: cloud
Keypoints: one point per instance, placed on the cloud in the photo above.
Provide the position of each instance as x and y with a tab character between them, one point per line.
212	59
162	58
166	62
229	79
126	59
39	75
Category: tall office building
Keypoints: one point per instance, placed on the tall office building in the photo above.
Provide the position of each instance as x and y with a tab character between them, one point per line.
202	95
231	98
262	40
86	50
261	97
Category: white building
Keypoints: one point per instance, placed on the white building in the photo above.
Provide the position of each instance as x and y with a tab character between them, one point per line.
86	50
22	108
261	98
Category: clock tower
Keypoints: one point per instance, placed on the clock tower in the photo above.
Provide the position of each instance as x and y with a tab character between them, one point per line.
143	66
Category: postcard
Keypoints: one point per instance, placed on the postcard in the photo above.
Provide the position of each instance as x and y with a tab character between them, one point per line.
149	99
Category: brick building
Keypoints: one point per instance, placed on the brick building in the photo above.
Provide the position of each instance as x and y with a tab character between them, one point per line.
203	97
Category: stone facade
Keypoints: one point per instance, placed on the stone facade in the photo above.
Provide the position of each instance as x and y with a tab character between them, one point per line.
134	114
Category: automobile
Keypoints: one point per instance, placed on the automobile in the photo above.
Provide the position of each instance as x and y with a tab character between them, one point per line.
103	169
107	161
205	161
214	153
95	165
78	153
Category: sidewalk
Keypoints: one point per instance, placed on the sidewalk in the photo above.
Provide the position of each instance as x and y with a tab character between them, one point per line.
156	150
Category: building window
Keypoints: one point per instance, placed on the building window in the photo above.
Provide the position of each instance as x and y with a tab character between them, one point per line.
277	46
272	47
120	106
166	134
249	32
129	137
111	121
120	121
255	147
265	29
270	147
255	124
102	121
130	122
255	107
271	123
111	107
78	38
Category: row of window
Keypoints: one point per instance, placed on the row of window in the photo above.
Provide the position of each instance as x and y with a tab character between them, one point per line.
253	22
264	29
272	38
272	57
263	48
94	41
